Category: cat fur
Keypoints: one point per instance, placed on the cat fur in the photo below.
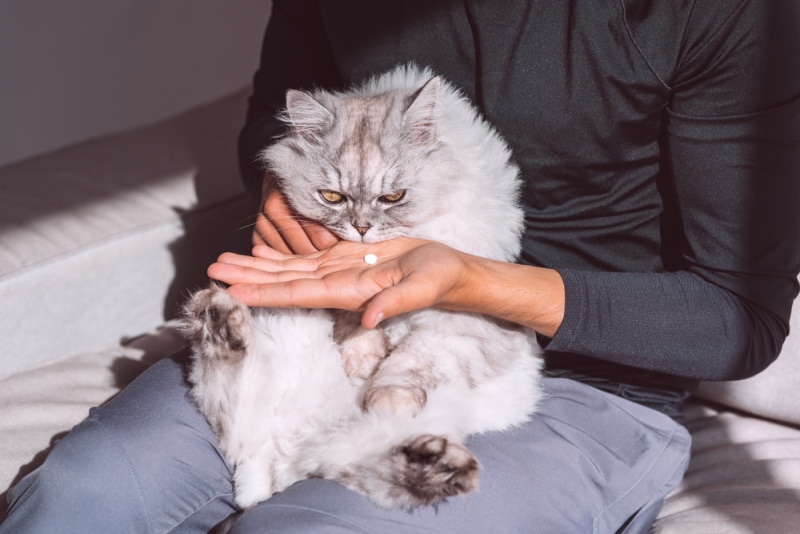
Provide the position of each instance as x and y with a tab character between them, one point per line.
295	393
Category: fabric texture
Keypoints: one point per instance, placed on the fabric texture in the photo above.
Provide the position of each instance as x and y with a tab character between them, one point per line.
744	477
39	406
774	393
144	461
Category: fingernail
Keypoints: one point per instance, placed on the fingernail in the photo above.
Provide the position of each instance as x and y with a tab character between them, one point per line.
378	318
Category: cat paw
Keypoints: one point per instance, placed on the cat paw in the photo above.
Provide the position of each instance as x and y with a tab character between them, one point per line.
436	468
217	324
362	352
394	399
252	481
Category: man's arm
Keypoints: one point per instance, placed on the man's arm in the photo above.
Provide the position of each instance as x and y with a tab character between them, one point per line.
410	274
732	149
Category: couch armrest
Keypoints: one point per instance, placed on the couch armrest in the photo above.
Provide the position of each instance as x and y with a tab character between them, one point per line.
99	241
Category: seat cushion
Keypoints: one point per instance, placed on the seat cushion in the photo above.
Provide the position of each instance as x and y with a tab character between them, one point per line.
744	476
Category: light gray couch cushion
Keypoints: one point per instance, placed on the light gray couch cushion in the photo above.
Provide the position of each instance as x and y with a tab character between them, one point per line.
744	477
98	241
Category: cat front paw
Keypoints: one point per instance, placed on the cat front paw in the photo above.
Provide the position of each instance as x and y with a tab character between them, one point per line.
217	325
362	352
436	468
393	399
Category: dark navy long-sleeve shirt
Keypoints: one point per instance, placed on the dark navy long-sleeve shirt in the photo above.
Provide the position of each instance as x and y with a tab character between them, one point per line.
659	143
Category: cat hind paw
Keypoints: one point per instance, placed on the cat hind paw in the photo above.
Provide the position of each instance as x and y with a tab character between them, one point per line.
362	353
393	399
436	468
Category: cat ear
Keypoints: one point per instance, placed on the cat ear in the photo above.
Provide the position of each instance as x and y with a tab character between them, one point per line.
305	114
420	116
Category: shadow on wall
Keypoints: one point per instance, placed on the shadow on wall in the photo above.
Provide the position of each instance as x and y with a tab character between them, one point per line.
74	71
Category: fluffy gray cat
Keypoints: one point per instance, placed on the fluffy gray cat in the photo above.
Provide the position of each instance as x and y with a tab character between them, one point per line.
297	393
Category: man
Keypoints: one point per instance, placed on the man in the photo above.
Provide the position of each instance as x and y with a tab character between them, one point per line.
660	147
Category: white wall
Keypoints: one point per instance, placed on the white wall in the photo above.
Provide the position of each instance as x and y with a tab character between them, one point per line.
71	70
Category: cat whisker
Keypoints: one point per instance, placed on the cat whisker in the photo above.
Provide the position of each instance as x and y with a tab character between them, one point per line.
301	222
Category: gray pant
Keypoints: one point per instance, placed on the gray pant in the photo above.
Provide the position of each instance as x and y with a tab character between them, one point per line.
147	462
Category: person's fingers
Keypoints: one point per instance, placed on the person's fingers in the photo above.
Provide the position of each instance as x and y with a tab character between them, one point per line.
274	261
291	231
232	268
267	252
265	233
256	238
345	255
237	274
303	293
320	237
402	280
382	306
397	299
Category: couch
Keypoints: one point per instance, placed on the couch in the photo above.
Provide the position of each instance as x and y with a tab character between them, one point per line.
101	242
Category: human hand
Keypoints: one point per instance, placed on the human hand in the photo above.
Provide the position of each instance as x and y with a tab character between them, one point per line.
410	274
277	226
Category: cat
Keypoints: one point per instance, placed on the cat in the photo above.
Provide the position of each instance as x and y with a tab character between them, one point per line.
293	393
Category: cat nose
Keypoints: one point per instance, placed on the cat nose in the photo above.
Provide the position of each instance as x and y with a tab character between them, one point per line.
361	229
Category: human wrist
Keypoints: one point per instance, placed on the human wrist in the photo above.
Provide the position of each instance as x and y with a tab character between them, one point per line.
527	295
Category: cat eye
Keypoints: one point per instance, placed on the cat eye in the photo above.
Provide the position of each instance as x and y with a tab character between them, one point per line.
331	197
391	198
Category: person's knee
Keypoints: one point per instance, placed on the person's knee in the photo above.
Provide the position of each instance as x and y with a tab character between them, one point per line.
313	506
83	483
292	520
88	465
147	457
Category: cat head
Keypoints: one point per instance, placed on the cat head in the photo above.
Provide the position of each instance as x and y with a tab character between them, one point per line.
369	167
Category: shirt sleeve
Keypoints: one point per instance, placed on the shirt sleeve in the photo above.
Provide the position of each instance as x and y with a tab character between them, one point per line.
732	148
295	54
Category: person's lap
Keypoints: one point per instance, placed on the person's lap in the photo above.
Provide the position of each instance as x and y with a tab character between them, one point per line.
587	461
146	457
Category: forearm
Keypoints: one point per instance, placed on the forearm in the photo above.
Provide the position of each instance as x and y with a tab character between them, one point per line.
674	323
530	296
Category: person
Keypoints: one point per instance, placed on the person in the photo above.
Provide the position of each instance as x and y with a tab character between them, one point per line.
659	144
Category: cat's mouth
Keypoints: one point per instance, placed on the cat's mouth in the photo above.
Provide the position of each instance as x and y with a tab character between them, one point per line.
371	238
372	235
